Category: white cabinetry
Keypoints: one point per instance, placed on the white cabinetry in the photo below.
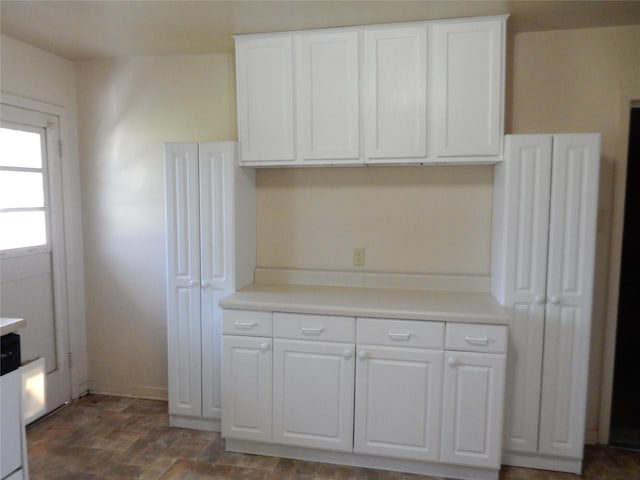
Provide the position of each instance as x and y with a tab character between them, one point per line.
327	99
210	216
264	70
473	394
395	79
467	88
423	92
399	388
247	375
545	214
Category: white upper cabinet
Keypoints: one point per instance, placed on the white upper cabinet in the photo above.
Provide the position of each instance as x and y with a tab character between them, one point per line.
421	92
327	96
395	92
265	99
468	85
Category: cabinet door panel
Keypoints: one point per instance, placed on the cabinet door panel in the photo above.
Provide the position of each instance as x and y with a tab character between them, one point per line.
183	274
395	69
327	101
472	409
247	380
212	352
572	235
313	394
526	202
265	99
467	87
394	424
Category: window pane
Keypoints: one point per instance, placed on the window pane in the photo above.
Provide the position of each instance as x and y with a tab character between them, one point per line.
22	229
20	149
21	189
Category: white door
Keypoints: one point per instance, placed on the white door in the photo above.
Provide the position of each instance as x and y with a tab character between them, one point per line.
265	99
247	380
467	87
472	409
216	171
183	273
32	265
528	184
398	398
395	72
327	100
572	235
313	386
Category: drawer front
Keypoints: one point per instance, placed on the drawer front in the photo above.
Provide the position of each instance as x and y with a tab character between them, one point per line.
314	327
400	333
469	337
247	322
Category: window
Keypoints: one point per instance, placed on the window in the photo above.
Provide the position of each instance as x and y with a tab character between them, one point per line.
23	187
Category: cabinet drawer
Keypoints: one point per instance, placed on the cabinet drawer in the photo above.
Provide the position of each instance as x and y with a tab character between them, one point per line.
401	333
469	337
314	327
247	322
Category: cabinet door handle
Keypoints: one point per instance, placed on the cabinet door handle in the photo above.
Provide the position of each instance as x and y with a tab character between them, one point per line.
264	347
205	284
193	283
244	325
312	330
555	300
363	354
539	299
452	361
347	353
477	340
399	336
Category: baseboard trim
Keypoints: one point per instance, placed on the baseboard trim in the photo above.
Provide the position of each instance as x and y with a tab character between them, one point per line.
542	462
365	461
205	424
132	391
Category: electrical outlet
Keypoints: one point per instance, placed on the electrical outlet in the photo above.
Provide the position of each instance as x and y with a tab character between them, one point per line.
358	256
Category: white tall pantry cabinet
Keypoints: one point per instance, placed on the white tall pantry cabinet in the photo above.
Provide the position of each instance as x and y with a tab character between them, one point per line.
210	220
545	214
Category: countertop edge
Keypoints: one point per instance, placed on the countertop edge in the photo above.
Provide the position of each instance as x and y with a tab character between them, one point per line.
11	325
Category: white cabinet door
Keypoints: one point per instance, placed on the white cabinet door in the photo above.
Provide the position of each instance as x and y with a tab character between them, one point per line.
183	274
572	236
264	69
395	95
398	401
247	380
313	384
526	203
467	87
216	165
472	409
327	100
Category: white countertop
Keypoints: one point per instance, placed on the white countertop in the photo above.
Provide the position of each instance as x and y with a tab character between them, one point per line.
10	325
448	306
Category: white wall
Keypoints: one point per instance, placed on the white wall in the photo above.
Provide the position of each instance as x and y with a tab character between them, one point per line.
127	109
38	75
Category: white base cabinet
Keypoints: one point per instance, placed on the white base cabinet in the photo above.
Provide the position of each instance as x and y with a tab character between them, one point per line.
545	214
365	388
210	220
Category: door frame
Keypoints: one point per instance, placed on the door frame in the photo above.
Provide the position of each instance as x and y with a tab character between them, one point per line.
73	322
627	99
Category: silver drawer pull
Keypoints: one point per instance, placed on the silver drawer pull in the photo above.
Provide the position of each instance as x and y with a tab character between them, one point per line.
399	336
477	340
312	330
245	325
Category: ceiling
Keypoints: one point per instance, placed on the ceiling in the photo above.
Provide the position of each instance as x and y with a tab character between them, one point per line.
80	30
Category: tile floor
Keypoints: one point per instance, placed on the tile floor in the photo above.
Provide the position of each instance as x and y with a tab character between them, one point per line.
104	437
